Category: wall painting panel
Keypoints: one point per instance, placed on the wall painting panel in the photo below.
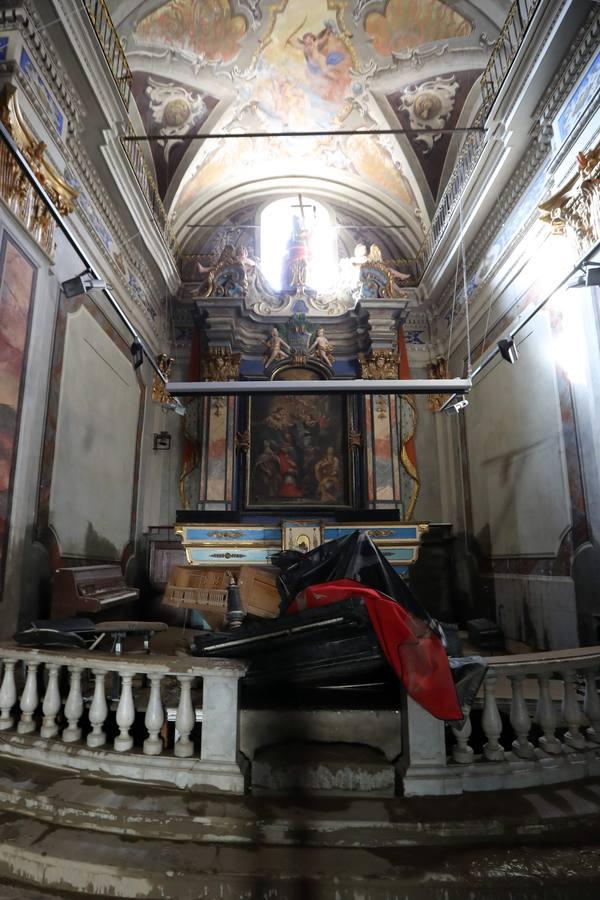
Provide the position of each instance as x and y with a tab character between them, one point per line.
17	285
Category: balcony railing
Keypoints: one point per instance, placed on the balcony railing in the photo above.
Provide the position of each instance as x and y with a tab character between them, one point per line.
111	46
117	62
502	57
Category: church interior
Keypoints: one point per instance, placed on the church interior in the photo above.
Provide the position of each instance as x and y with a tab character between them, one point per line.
300	469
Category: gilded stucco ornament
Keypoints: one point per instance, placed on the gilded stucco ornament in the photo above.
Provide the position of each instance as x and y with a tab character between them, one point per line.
574	210
159	392
220	364
379	364
437	368
16	190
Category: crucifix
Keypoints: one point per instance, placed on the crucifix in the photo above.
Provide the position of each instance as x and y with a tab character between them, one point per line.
299	205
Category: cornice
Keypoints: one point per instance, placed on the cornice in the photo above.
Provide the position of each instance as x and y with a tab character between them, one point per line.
27	21
538	151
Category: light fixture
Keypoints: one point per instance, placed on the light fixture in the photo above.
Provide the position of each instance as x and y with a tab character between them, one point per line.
454	407
162	440
508	350
83	283
137	354
175	406
590	276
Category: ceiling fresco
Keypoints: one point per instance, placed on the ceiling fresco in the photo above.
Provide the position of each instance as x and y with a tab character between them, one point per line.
274	66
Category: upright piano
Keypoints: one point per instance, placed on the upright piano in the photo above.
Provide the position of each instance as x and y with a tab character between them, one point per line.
88	590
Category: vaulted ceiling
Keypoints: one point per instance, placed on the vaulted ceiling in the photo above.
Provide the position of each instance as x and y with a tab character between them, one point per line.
245	67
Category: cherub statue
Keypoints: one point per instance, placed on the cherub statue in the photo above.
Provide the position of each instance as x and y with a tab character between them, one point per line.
277	348
321	348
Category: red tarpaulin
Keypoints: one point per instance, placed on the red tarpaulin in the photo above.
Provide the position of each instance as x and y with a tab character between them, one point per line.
414	652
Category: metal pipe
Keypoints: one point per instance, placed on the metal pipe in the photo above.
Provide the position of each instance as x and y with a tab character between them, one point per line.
331	386
287	134
72	240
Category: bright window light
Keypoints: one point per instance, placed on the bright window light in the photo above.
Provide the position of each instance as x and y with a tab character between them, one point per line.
278	224
569	342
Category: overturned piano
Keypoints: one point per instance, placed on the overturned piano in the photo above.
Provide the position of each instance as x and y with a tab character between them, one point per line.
347	619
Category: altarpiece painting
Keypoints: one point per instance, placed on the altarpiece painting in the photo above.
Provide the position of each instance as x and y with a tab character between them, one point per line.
298	452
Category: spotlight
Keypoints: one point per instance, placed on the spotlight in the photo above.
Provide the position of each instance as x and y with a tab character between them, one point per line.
137	354
455	407
590	276
81	284
175	406
508	350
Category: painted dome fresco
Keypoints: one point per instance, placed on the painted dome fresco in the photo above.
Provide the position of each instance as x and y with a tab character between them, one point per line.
363	105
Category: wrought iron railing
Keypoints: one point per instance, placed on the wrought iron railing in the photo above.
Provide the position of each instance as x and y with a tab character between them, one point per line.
117	62
111	46
501	59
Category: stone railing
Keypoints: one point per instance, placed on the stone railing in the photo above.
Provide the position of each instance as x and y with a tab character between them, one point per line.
536	721
109	715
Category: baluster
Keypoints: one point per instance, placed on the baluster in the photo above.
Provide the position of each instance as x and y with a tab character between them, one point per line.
572	713
591	706
8	695
125	714
546	717
29	700
491	721
73	707
462	752
155	717
520	721
51	704
185	718
98	711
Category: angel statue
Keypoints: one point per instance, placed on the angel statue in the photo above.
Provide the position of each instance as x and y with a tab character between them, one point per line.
321	349
277	348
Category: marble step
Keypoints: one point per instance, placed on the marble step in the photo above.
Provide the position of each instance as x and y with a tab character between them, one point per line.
74	862
320	768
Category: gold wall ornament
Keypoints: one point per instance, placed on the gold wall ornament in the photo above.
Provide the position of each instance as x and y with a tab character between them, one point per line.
355	439
437	368
15	188
379	364
220	364
574	210
159	391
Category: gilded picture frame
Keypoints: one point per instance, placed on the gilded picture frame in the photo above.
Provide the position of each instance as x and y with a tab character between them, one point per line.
298	452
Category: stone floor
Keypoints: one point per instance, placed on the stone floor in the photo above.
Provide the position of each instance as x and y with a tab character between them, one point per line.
65	836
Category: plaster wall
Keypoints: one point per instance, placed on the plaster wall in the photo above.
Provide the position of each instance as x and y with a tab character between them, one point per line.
94	462
518	478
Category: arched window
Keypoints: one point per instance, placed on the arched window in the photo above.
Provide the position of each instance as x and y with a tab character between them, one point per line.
284	224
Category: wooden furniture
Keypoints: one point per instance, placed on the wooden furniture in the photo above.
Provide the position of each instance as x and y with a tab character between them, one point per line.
204	589
254	542
88	590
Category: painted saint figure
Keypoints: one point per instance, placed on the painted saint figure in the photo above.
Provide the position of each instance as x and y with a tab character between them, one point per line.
327	473
328	61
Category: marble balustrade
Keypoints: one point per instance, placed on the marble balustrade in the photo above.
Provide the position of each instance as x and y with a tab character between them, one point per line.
86	711
536	721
